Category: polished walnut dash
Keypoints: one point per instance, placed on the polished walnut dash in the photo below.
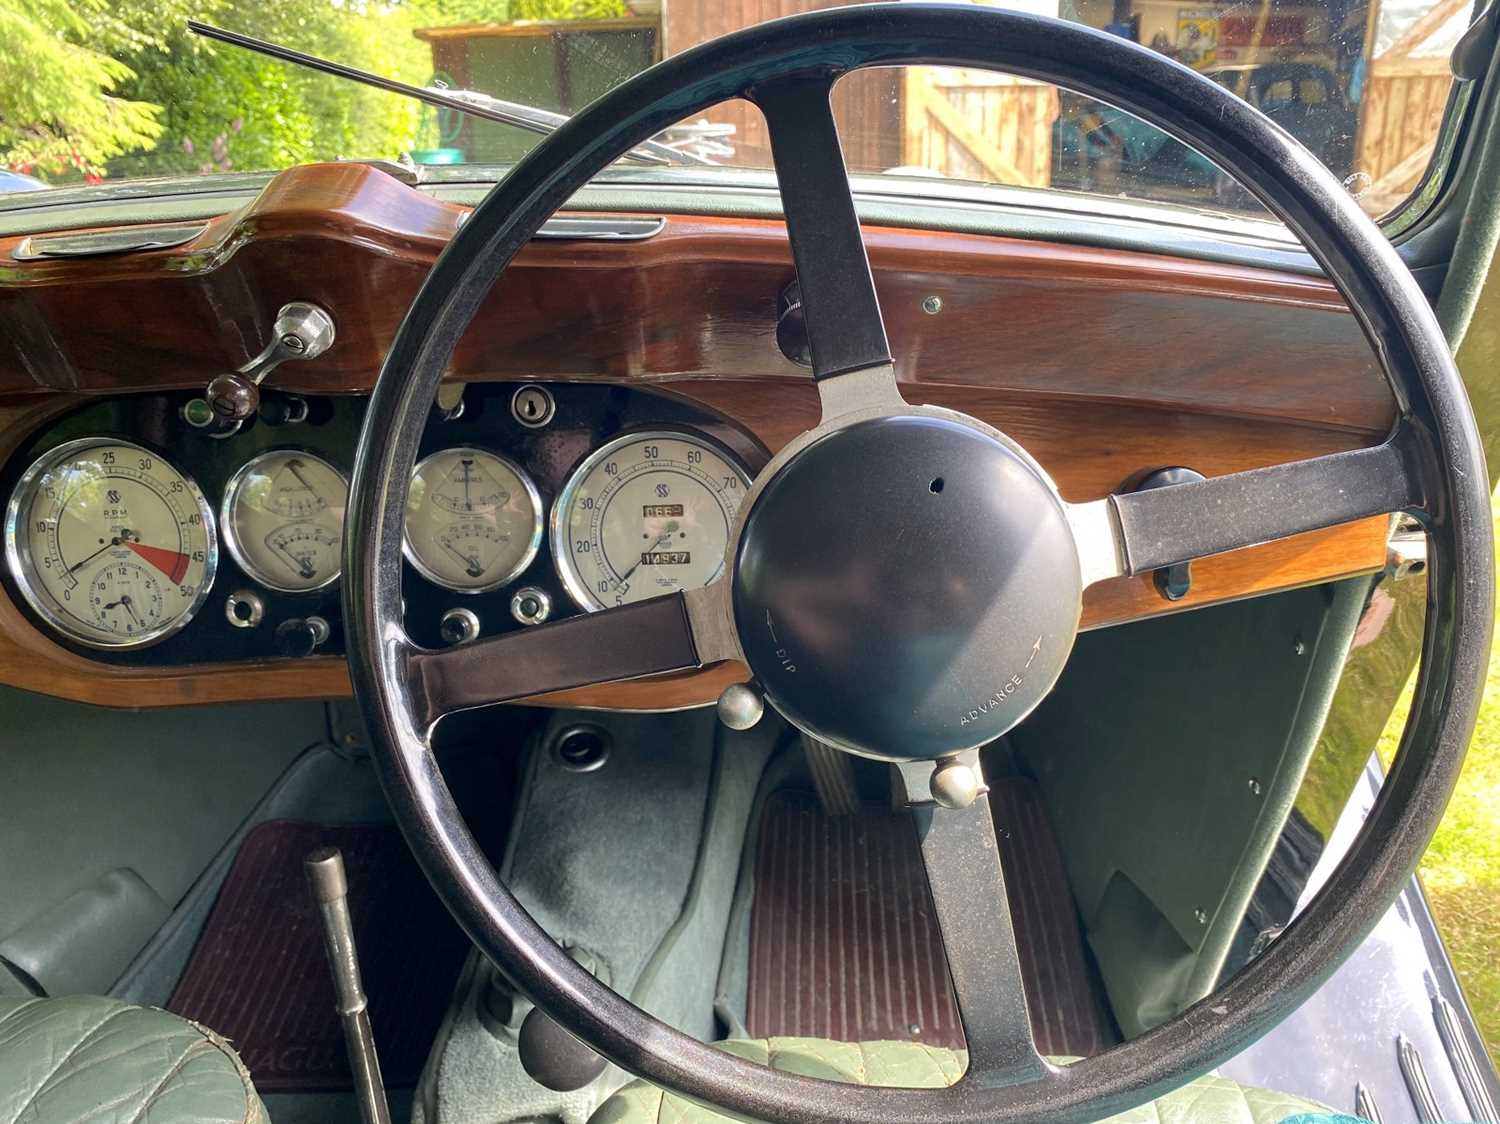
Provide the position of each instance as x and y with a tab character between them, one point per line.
1104	364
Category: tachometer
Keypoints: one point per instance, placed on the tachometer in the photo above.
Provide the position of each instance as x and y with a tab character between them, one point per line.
109	543
283	520
473	520
644	515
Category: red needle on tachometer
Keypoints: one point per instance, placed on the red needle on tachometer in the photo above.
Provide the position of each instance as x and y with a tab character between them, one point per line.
173	563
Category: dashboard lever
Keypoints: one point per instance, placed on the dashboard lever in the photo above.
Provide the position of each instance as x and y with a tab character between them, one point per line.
302	331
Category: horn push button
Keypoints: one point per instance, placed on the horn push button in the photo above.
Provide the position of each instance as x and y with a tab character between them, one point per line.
907	587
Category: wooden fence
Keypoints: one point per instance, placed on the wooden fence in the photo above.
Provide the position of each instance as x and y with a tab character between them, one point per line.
1406	93
973	124
965	123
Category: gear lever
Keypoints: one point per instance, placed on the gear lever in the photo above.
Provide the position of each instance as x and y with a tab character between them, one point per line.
330	889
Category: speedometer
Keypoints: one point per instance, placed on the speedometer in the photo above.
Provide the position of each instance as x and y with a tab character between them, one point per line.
109	543
644	515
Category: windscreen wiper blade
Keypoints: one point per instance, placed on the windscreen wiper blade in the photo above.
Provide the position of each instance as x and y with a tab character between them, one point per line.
528	117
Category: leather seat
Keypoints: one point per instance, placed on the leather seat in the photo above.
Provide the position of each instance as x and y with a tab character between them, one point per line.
84	1059
1208	1100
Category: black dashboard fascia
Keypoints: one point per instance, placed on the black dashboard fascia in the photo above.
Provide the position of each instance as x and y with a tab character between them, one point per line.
587	415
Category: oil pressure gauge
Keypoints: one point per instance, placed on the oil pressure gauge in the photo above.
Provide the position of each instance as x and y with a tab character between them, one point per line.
283	520
473	520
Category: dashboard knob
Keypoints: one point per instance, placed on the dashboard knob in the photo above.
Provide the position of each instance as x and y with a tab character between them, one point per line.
301	636
531	605
791	327
1172	582
458	626
740	706
553	1057
234	398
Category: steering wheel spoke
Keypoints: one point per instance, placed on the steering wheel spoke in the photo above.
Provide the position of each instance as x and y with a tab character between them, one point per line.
844	327
962	857
1136	532
678	632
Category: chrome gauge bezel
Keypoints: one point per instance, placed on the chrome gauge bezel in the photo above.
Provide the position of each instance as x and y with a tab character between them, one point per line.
567	569
538	525
231	536
18	551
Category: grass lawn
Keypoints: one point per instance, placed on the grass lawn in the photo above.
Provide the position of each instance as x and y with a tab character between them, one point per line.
1461	871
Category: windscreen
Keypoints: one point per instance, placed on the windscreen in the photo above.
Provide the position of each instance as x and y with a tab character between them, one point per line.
97	91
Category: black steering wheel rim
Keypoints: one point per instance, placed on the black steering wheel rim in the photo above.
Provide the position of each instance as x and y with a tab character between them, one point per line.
1441	448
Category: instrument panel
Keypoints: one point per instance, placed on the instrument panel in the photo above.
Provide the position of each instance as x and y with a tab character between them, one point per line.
116	513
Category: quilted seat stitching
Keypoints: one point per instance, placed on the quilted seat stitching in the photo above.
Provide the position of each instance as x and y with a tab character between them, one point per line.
58	1020
17	1009
82	1041
35	1026
130	1048
108	1106
150	1099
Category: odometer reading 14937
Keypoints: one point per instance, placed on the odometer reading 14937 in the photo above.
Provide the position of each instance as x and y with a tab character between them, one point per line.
646	514
109	543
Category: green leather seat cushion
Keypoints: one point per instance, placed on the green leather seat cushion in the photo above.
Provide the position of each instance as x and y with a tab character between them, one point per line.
85	1059
1208	1100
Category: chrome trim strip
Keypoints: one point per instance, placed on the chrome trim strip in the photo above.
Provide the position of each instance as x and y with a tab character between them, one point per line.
129	240
1417	1086
606	229
1461	1058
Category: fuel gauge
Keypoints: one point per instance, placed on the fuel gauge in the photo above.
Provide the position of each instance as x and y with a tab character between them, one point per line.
283	520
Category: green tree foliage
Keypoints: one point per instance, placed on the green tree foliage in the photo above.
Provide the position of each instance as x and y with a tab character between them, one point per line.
566	9
497	11
121	86
226	109
64	101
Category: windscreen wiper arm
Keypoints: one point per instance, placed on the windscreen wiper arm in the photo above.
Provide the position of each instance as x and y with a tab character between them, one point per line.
528	117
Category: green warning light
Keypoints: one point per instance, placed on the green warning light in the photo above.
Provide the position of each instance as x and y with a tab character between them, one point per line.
198	412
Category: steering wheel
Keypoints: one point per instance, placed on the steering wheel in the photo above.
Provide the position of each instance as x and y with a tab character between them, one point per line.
873	640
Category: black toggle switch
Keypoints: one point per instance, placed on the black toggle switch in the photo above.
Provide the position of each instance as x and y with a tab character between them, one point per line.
300	636
1172	582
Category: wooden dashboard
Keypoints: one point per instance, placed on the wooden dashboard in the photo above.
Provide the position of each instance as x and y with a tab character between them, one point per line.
1104	364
